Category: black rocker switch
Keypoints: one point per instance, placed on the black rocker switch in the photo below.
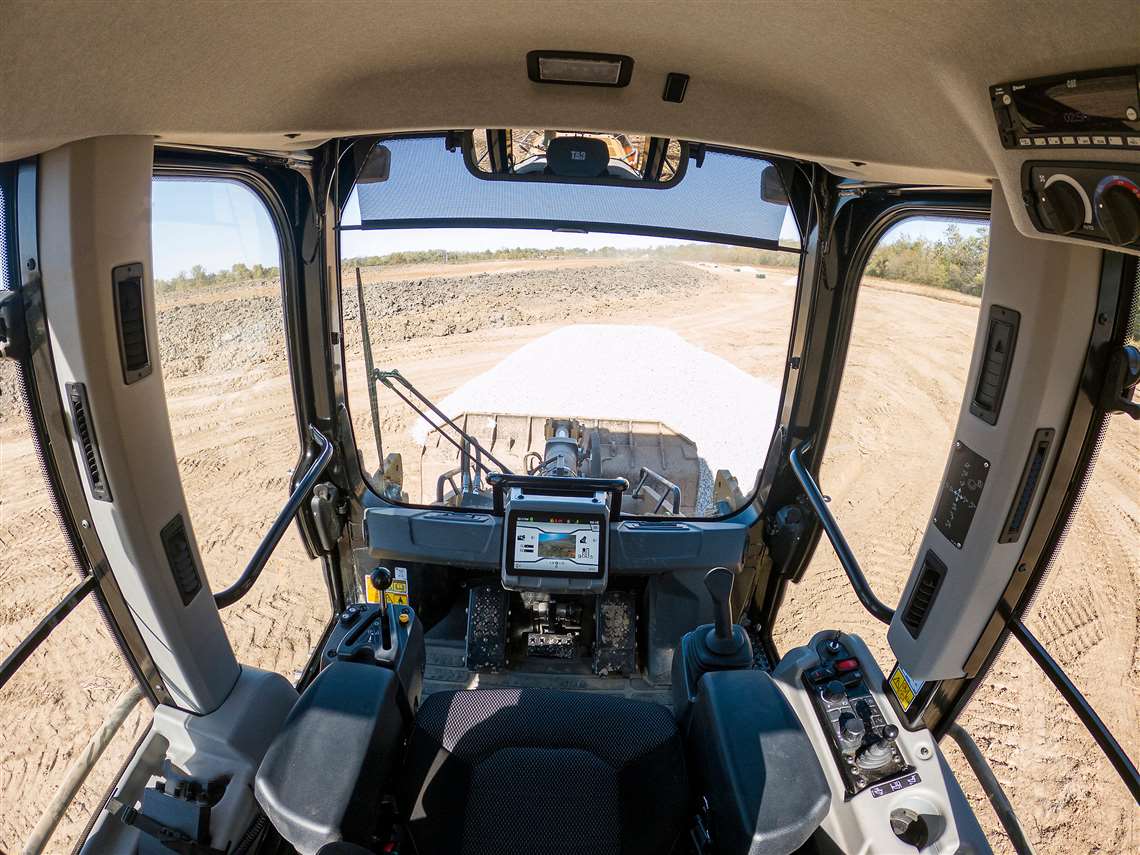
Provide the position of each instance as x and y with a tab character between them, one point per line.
722	638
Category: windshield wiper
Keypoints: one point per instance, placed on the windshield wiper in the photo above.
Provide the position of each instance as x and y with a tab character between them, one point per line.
462	440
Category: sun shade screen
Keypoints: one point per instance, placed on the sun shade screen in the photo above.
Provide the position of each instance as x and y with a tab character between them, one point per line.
429	186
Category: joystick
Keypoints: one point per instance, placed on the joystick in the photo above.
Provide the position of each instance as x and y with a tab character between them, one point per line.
724	639
381	579
719	646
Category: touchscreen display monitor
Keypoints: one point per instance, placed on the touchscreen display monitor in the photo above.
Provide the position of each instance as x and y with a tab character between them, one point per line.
556	543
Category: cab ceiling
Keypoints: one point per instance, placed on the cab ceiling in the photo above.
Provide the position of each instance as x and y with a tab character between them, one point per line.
885	91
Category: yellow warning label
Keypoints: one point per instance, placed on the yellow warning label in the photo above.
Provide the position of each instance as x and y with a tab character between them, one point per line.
396	594
903	688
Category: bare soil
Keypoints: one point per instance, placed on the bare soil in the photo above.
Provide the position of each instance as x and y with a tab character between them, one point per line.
235	434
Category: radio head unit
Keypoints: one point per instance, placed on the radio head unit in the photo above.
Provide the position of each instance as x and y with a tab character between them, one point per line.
1087	109
555	543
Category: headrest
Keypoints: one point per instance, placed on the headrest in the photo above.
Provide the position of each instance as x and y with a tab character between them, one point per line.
577	157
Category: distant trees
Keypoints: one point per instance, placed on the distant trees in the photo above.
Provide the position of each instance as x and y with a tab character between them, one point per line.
955	261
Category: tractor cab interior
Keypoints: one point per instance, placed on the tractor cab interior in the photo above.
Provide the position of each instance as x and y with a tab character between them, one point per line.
550	624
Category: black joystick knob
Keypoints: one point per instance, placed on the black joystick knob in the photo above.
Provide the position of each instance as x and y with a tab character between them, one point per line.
834	692
721	639
381	578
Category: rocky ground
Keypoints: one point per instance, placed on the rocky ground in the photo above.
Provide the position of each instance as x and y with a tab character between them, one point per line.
235	435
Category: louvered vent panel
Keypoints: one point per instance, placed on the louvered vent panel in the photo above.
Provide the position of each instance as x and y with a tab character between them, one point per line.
923	594
84	429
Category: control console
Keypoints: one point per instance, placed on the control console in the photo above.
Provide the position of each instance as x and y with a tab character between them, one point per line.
891	788
862	741
1097	202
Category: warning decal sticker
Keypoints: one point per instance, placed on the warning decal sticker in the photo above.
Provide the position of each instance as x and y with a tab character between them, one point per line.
904	687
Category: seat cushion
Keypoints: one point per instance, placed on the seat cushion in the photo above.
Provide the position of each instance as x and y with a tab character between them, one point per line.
532	770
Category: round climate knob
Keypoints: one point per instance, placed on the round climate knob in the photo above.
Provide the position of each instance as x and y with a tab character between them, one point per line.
1062	207
1117	206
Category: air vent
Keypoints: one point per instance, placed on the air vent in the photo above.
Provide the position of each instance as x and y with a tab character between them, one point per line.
130	317
1030	478
922	596
180	557
84	428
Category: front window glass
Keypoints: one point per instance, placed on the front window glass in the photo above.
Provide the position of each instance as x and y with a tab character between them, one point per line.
501	325
596	355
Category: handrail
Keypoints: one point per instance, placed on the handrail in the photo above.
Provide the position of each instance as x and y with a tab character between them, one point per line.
386	377
1072	695
998	800
501	481
272	537
1087	715
859	583
670	490
43	629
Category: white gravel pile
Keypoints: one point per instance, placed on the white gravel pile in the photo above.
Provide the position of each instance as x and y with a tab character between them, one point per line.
631	372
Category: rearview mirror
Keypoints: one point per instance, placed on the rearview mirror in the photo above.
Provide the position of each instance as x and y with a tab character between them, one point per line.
377	167
772	188
574	157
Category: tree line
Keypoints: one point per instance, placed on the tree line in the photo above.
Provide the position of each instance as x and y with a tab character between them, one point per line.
952	261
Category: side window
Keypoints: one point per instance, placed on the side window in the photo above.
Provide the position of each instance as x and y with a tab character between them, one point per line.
1085	614
75	681
907	365
221	337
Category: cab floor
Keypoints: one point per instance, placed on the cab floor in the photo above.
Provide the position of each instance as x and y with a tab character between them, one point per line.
446	671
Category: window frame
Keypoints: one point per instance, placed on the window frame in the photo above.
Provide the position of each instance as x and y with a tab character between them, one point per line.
783	164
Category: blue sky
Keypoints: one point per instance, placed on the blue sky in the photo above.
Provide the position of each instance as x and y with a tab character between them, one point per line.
217	224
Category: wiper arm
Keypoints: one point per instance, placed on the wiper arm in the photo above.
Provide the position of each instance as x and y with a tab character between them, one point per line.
396	381
370	370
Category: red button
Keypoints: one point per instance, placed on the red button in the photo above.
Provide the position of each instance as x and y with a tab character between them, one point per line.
846	665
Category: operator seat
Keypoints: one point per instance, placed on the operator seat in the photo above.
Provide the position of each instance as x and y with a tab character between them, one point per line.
537	770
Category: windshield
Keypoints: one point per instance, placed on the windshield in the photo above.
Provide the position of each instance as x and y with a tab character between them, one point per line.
484	350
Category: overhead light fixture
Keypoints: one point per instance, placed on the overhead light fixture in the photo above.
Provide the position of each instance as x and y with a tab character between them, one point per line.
578	68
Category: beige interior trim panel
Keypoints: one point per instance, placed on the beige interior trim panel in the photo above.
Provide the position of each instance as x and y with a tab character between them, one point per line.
1053	289
94	217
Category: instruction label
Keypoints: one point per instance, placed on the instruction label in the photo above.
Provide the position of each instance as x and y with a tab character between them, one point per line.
397	593
904	687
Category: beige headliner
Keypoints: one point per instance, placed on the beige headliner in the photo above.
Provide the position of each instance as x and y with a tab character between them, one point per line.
900	86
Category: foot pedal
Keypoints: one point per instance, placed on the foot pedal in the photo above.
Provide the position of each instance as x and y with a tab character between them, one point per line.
615	642
486	628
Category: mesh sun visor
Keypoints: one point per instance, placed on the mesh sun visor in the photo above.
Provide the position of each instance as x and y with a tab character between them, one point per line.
429	186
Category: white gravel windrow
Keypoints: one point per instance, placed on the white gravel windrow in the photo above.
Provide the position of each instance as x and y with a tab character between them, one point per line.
631	372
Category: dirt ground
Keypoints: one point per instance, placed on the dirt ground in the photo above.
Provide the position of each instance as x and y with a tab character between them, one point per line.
231	413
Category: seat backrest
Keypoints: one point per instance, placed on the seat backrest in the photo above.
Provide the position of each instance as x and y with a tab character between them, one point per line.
533	770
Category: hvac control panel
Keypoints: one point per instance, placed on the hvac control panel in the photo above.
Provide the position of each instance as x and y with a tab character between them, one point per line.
863	743
1098	202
